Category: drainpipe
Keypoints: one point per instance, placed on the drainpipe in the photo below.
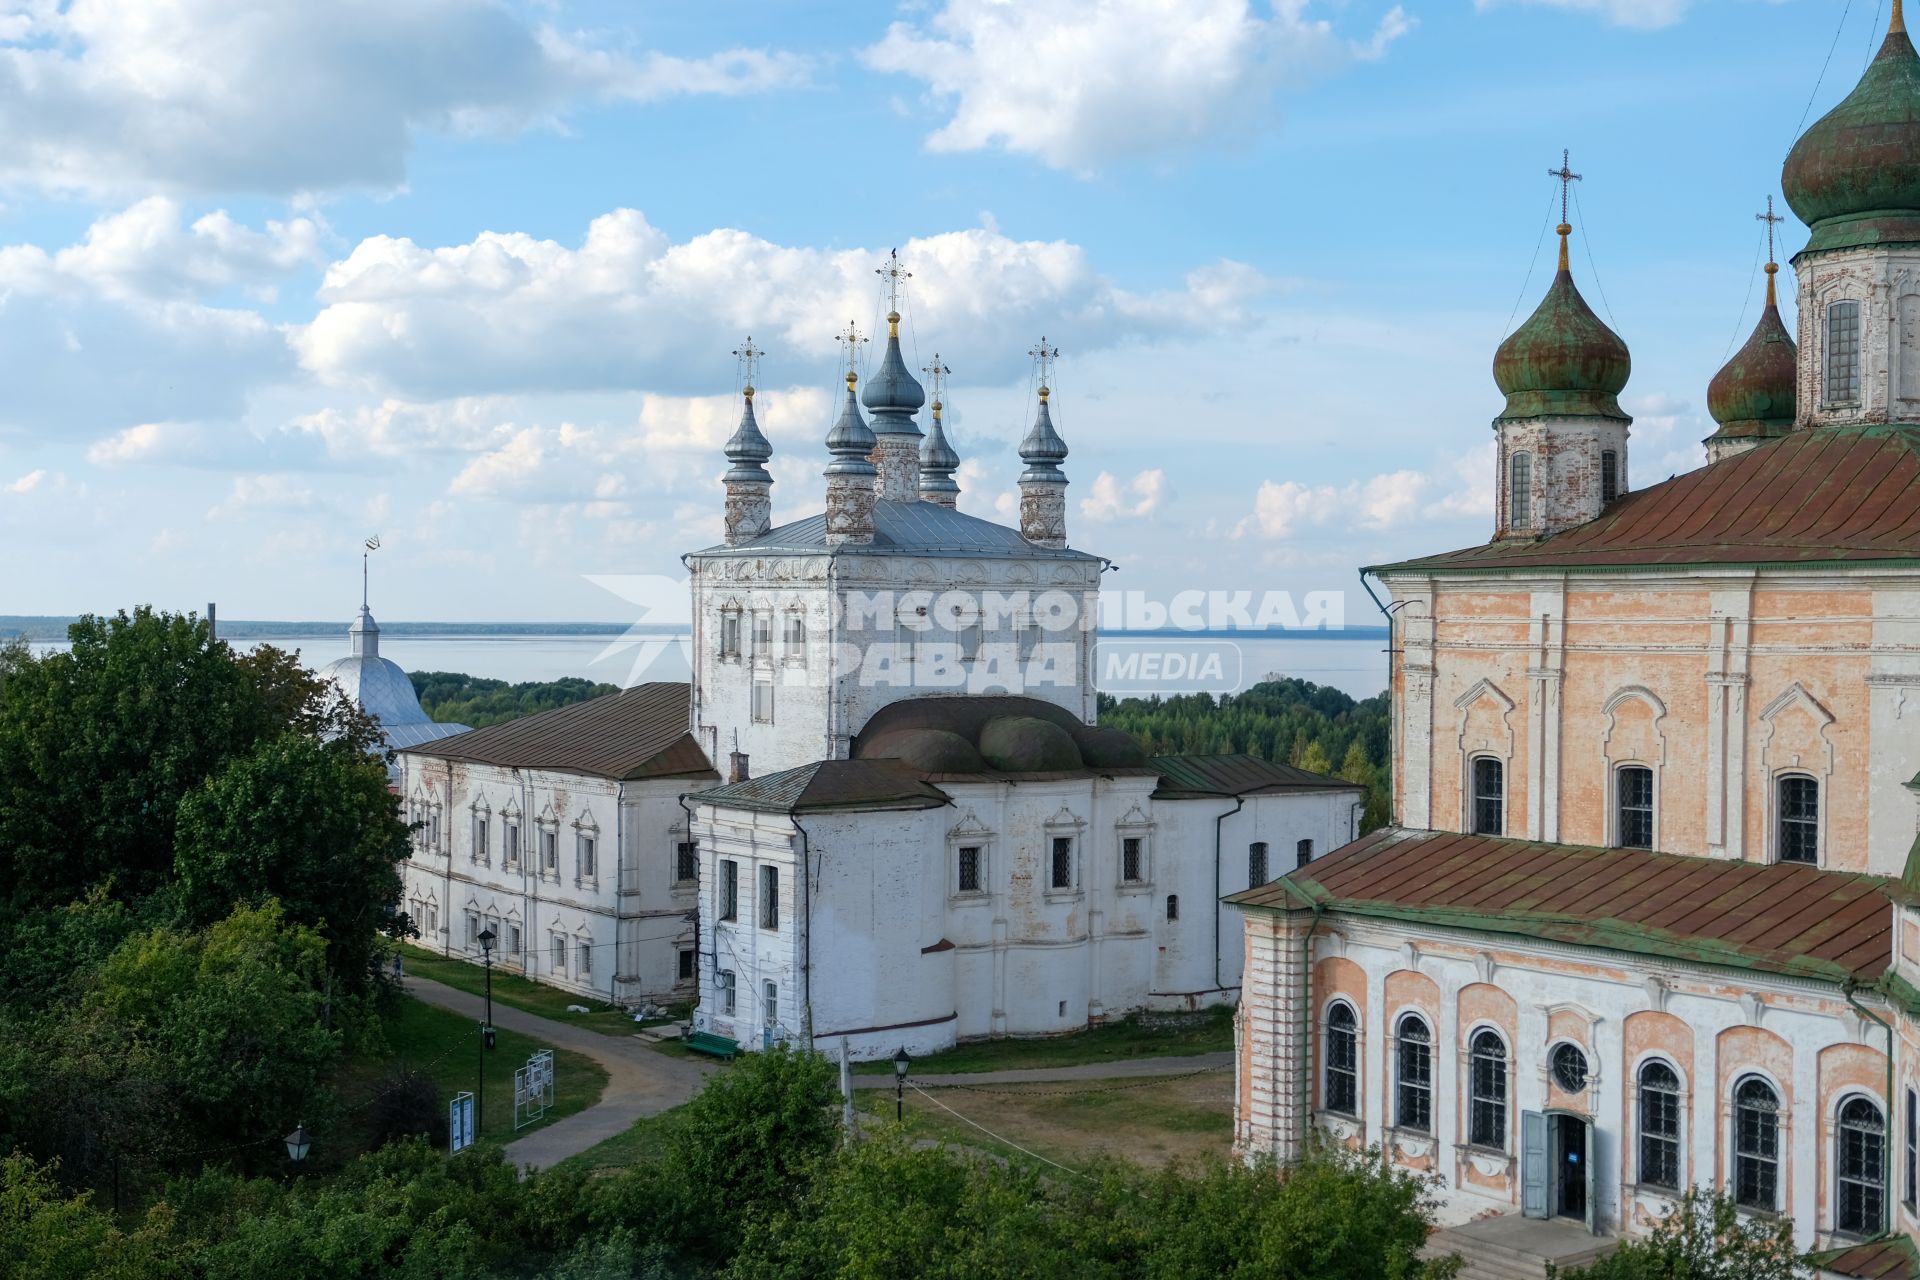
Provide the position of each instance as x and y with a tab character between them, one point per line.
1219	821
619	883
698	968
1847	989
806	938
1393	741
1306	1008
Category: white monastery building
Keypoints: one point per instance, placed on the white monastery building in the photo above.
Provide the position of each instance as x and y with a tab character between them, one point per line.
1650	917
922	836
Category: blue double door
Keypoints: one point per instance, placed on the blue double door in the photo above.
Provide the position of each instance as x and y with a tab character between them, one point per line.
1556	1166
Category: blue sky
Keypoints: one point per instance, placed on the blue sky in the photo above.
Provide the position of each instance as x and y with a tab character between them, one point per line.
466	274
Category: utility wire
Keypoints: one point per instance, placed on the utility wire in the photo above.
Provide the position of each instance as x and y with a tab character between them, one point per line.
1740	325
1586	242
991	1134
1819	79
1546	220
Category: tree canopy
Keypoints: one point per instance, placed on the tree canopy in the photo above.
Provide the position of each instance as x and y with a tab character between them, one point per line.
477	702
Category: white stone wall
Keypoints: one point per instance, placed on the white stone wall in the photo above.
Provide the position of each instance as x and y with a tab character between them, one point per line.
1565	474
902	956
1713	1027
631	916
822	699
1885	281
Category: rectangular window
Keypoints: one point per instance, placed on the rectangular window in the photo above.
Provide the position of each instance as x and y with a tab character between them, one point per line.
729	889
1062	877
513	943
586	858
796	638
1130	868
1843	352
1609	476
550	852
1489	797
433	826
730	634
473	930
1257	865
763	637
1913	1150
970	868
1413	1077
1659	1126
771	1012
510	844
1520	491
723	986
1634	816
583	951
686	859
763	701
686	964
769	897
1799	820
480	852
559	954
1302	853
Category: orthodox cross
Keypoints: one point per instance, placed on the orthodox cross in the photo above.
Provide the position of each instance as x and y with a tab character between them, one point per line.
1769	217
1567	178
936	379
850	342
749	357
1043	358
894	274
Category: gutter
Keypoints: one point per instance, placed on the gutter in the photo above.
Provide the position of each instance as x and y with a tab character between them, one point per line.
698	969
1847	989
1219	823
806	941
1393	738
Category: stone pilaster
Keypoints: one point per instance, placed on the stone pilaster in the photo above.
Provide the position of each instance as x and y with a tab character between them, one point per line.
1272	1102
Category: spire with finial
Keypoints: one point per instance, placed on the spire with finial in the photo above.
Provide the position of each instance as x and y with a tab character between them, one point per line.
1043	486
893	397
747	481
850	476
1752	398
938	461
363	637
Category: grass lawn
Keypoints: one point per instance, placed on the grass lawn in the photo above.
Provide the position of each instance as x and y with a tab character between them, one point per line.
447	1047
642	1144
1150	1123
517	992
1210	1031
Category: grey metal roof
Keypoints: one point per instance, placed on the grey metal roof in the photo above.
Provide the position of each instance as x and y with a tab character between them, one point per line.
905	528
378	686
638	733
1236	775
829	784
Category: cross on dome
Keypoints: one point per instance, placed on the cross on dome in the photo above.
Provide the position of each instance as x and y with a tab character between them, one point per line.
851	340
1043	357
749	357
1567	178
936	379
895	275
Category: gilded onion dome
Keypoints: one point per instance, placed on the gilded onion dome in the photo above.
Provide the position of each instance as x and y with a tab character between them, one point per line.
1752	397
1854	177
1562	362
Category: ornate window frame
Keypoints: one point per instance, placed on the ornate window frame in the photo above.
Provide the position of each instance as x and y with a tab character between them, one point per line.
970	833
1134	825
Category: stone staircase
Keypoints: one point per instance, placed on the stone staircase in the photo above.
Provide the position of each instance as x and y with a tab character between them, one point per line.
1510	1247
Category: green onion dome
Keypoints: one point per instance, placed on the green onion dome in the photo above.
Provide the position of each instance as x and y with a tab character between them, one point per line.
1753	394
1562	362
1854	177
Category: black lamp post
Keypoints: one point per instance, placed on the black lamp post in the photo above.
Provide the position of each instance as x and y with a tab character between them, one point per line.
298	1142
486	1034
900	1064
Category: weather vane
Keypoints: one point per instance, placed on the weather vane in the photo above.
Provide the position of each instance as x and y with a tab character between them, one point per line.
373	545
1567	178
749	357
1043	358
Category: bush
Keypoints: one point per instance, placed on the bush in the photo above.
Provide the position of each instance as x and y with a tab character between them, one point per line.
407	1106
1706	1237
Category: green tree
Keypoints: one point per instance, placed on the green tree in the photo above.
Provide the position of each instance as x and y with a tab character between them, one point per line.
1706	1237
310	823
47	1234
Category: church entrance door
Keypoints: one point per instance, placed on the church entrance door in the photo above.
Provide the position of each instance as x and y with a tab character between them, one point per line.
1572	1177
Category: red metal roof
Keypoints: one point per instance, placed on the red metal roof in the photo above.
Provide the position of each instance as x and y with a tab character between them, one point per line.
1777	917
638	733
1887	1260
1832	494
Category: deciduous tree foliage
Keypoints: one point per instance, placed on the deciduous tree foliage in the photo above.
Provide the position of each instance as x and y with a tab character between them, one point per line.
478	702
1706	1237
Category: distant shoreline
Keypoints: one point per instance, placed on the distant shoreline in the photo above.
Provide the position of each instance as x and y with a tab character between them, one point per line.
46	628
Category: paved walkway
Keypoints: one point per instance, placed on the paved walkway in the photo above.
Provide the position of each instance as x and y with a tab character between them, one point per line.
1040	1075
640	1081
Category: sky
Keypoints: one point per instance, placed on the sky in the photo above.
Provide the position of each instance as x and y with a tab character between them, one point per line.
467	274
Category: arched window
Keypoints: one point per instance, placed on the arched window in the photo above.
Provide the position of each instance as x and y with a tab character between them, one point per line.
1659	1126
1487	1091
1756	1145
1520	491
1302	853
1609	476
1173	906
1413	1075
1843	352
1633	807
1861	1160
1489	797
1799	819
1257	864
1341	1090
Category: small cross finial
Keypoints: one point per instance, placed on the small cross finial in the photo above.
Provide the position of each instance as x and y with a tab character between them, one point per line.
851	340
749	357
1770	218
1567	178
895	276
936	380
1043	358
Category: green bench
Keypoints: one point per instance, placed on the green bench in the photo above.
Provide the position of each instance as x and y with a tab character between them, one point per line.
708	1043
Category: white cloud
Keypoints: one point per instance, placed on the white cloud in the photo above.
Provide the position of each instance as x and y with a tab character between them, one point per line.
1077	84
1282	509
273	495
1136	499
201	95
146	251
631	309
1645	15
151	442
28	482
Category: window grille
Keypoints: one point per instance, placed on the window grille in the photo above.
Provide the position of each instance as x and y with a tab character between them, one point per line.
1489	797
1173	906
769	897
1130	869
1342	1088
1756	1145
1413	1075
1799	819
1843	352
1487	1092
729	889
1520	490
1569	1066
1257	864
772	1011
1633	785
1659	1126
1609	476
1862	1163
686	856
1302	853
970	868
723	984
1062	862
559	954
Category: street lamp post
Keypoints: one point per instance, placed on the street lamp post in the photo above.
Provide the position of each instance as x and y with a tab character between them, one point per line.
298	1142
900	1064
486	1033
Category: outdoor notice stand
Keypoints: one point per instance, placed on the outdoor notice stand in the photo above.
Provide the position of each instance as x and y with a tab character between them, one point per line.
460	1134
533	1088
1533	1164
